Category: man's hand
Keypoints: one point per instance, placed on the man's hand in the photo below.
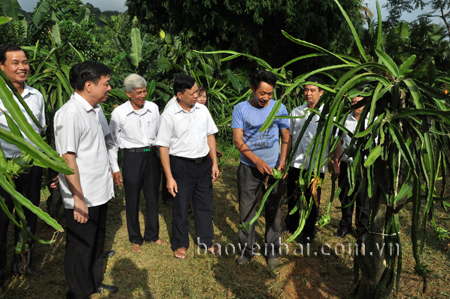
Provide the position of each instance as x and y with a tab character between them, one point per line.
55	183
172	186
336	167
80	211
215	172
282	168
263	167
117	176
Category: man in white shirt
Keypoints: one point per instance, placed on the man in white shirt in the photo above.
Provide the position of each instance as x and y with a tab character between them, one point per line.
14	64
133	127
312	95
187	148
79	138
362	198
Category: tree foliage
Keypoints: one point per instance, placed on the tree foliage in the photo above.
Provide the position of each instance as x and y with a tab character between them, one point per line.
251	26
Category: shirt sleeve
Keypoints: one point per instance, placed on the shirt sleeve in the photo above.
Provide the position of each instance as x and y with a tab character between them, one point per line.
67	132
113	141
42	120
212	128
103	122
237	122
284	122
165	131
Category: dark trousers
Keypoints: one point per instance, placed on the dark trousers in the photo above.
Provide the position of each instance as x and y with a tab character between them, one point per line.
29	185
249	181
192	180
292	221
141	171
362	201
84	252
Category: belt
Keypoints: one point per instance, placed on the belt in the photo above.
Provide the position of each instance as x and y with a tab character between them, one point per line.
139	149
196	160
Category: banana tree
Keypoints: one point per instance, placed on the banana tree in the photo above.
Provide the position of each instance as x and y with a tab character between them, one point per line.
406	144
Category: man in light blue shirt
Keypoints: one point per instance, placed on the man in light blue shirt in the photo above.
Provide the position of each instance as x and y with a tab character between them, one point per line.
260	152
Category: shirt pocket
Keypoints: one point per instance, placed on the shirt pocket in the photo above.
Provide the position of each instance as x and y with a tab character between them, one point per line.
152	128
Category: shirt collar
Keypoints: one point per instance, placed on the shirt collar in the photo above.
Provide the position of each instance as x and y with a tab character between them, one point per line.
130	109
178	108
28	90
84	103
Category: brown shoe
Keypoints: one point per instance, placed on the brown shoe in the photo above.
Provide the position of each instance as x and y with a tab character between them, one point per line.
180	253
136	248
161	242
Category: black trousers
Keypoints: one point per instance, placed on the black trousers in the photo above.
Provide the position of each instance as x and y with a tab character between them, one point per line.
141	171
249	181
29	185
84	252
292	221
192	180
362	201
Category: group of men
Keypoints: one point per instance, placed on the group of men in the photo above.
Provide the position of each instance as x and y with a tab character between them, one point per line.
184	138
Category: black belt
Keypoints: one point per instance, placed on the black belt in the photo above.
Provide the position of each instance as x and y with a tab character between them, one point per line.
196	160
139	149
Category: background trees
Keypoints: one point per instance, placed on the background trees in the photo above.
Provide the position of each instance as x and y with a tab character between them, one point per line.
251	26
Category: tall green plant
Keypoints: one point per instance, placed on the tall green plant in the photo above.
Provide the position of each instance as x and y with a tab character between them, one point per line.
406	143
48	158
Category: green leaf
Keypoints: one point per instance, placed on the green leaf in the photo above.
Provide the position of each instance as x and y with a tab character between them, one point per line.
315	47
234	80
374	154
417	97
388	62
56	32
10	10
136	47
271	116
404	68
40	13
380	31
353	30
27	204
4	20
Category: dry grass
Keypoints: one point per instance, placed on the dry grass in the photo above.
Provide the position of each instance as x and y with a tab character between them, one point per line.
154	273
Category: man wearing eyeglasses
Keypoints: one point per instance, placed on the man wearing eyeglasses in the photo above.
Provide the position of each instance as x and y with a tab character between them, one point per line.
187	149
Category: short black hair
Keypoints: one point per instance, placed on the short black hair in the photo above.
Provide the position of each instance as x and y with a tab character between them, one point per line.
317	80
182	82
8	48
259	76
89	70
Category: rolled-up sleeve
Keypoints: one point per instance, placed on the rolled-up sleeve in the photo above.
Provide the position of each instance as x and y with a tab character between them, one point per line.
165	131
67	132
113	140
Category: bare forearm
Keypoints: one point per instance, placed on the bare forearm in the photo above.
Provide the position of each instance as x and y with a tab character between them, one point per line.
212	148
165	161
73	180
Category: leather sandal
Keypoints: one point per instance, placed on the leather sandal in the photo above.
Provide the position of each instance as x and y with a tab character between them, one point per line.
180	253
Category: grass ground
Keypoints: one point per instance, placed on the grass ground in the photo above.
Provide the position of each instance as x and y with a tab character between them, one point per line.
154	273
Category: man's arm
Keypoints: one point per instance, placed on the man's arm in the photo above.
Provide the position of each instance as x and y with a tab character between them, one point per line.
335	160
112	146
213	154
285	149
238	137
80	209
165	161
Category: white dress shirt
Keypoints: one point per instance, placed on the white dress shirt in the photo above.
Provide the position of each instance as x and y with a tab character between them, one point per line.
79	130
296	126
350	124
185	133
131	129
35	102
